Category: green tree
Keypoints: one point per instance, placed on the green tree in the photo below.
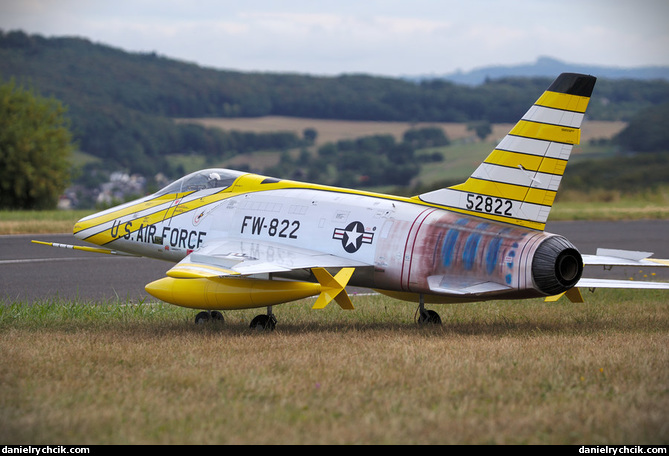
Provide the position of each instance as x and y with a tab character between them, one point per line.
482	129
420	138
35	144
310	135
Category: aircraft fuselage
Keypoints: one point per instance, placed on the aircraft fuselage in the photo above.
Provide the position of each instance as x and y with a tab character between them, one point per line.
409	247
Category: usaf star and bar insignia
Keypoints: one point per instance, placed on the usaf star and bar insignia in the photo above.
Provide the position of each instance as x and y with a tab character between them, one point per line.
353	236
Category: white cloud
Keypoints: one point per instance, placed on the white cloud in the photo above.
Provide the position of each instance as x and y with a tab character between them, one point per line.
375	36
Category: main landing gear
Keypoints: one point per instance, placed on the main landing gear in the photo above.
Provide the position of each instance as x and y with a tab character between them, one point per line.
259	323
211	315
263	322
268	321
426	317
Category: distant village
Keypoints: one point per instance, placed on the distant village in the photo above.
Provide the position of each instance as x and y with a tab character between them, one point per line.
121	187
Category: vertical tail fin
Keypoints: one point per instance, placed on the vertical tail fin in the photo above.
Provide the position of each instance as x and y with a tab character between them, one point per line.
518	181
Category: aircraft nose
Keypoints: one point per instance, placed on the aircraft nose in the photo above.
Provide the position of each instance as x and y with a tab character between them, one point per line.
79	228
77	231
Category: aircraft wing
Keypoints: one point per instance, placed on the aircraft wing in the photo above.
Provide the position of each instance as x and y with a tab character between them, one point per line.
613	283
610	257
237	257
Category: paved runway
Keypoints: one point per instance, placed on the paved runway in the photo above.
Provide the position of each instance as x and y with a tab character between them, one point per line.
31	272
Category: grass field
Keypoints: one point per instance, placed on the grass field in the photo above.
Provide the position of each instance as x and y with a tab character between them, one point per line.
518	372
40	222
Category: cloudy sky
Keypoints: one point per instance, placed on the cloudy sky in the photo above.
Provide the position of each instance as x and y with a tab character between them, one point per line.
380	37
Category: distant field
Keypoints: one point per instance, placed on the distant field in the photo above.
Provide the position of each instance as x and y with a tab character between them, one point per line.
334	130
460	159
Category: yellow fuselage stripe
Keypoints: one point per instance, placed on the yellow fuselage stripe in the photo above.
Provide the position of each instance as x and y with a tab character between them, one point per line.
123	211
248	183
105	236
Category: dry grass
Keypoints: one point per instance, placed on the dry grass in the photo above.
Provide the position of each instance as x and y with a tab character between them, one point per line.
500	372
39	222
328	130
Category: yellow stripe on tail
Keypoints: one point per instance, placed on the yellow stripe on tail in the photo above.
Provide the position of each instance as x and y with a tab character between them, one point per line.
518	181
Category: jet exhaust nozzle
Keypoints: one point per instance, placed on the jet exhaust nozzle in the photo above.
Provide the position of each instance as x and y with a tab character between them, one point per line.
557	266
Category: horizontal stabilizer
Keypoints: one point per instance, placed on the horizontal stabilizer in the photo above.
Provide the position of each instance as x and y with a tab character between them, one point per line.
630	284
612	257
574	294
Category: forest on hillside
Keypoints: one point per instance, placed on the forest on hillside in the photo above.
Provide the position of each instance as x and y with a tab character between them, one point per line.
121	104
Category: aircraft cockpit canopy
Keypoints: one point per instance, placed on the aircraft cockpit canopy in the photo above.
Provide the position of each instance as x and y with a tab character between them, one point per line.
201	180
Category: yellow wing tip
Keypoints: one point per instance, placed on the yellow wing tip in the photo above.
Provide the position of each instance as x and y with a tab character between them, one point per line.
199	271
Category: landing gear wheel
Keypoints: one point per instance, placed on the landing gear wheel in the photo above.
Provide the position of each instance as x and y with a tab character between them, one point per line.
204	317
429	317
263	322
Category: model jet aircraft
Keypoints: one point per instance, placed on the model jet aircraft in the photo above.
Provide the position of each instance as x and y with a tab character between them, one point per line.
241	240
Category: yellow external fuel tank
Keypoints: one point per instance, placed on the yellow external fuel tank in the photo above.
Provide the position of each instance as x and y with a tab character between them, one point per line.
229	293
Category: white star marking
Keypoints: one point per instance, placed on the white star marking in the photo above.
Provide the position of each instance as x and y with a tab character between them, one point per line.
353	236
